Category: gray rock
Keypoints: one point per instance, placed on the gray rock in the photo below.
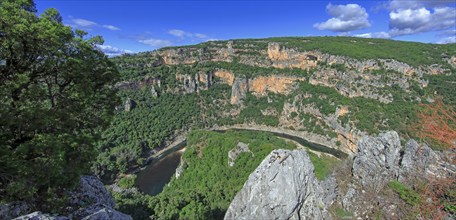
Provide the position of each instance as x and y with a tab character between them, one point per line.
283	186
239	90
423	161
99	204
41	216
234	153
129	105
377	160
100	212
154	92
14	209
180	169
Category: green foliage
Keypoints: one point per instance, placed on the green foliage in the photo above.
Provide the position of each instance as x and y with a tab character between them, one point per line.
341	213
412	53
127	182
132	134
408	195
56	95
323	164
206	188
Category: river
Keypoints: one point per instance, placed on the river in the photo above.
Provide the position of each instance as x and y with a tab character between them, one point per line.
158	173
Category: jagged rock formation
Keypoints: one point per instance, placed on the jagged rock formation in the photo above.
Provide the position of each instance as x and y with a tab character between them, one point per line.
282	187
91	201
376	162
234	153
14	209
239	90
380	160
282	57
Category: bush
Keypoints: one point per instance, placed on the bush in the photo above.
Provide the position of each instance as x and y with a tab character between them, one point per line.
127	182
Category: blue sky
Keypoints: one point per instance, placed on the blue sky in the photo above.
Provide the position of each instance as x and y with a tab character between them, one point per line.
134	26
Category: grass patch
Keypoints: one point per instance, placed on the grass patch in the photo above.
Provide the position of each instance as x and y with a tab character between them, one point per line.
407	194
323	164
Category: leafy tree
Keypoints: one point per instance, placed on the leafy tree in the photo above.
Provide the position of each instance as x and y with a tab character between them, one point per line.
55	97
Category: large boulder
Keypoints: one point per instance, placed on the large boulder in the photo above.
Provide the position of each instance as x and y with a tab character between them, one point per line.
283	186
97	203
377	160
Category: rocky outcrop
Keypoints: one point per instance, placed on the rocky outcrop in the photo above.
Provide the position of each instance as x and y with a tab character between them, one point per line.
275	84
380	160
283	186
90	201
377	160
129	105
234	153
153	92
226	76
14	209
239	90
282	57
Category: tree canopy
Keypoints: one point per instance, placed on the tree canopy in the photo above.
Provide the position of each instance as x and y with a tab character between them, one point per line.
56	95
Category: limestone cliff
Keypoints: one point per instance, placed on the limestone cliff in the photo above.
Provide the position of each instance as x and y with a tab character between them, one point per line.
283	186
239	90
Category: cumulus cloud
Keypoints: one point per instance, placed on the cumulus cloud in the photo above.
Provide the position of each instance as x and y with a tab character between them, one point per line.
156	42
183	34
112	51
111	27
345	18
411	21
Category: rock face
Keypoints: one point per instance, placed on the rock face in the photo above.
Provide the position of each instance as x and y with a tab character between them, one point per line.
99	204
380	160
282	57
282	187
14	209
239	90
276	84
377	160
129	105
234	153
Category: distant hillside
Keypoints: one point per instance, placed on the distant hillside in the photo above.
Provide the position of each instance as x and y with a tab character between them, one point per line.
330	90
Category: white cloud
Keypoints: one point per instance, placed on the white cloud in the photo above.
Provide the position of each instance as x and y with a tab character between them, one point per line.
411	17
83	23
112	51
381	34
183	34
156	42
111	27
346	18
177	33
415	4
447	40
201	36
86	24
